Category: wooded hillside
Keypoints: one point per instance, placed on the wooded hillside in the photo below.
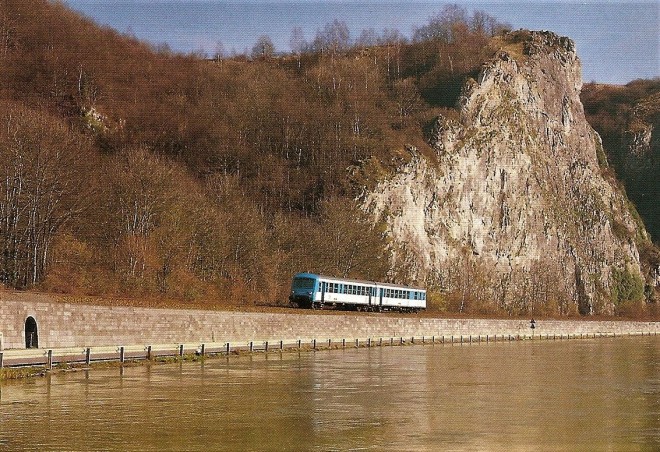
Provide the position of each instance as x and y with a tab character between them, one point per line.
128	170
132	171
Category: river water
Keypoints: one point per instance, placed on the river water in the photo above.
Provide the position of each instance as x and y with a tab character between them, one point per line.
600	394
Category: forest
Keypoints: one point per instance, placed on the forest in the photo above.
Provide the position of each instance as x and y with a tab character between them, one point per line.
625	117
130	171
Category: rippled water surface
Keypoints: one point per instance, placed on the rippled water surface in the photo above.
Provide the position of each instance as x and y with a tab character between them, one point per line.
582	394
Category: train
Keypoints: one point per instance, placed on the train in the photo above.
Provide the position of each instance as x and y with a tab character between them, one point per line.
314	291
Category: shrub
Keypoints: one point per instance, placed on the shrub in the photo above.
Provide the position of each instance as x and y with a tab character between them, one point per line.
627	287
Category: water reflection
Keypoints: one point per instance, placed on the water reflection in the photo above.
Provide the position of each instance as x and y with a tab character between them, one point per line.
602	394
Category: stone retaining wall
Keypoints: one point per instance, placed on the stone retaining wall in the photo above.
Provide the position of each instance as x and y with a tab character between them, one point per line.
76	325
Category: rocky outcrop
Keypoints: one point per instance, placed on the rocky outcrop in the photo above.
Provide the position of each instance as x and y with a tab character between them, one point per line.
640	163
513	212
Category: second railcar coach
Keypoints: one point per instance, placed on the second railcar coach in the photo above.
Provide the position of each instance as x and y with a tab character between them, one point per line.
317	291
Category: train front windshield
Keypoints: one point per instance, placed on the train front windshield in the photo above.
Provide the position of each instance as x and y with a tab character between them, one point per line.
303	283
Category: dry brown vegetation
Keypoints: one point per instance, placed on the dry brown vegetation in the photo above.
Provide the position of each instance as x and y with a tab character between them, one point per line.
130	171
134	172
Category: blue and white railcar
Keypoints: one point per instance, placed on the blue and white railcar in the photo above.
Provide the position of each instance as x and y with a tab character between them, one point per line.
317	291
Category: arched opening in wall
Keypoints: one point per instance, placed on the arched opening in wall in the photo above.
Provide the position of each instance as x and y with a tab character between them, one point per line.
31	335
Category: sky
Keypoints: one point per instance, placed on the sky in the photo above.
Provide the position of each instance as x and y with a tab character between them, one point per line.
617	40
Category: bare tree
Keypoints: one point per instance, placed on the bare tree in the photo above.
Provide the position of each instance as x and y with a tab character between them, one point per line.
43	166
263	48
297	41
220	52
140	197
334	38
368	38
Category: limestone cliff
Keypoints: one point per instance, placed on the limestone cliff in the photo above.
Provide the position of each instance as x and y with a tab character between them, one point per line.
514	211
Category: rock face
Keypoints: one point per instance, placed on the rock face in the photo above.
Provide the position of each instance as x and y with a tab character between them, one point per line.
514	212
641	160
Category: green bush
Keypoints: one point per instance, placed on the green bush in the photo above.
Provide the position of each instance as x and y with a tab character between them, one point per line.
627	287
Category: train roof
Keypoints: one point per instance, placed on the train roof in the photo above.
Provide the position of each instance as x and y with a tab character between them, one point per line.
356	281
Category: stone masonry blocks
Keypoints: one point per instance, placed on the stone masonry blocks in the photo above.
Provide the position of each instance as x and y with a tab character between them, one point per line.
72	325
